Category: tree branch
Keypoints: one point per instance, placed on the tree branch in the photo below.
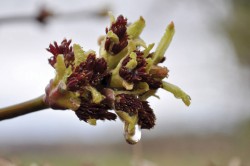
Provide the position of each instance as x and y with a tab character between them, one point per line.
30	106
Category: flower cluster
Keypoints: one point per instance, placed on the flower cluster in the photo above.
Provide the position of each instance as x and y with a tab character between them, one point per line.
121	78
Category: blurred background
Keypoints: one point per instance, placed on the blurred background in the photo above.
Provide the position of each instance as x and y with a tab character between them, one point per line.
209	58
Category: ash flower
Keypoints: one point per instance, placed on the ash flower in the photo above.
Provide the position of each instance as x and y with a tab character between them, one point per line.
121	78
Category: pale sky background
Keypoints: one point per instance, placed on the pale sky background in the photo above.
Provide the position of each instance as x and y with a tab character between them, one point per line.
201	60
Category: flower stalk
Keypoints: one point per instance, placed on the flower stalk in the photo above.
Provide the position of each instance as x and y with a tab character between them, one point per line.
27	107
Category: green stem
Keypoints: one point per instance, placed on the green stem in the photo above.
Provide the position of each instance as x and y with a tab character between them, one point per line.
30	106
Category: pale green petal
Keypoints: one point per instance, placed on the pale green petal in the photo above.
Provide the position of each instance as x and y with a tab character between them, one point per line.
111	17
177	92
127	85
134	30
97	97
139	89
67	73
117	81
89	52
112	60
164	43
148	49
79	54
148	94
125	117
113	36
130	123
60	68
149	64
92	122
62	73
59	96
131	46
132	62
139	42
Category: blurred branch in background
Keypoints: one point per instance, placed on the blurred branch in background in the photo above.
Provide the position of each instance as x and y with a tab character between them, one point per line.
44	14
6	162
238	30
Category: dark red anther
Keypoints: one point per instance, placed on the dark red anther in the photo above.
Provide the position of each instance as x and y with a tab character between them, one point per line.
91	72
139	73
146	117
128	103
65	49
132	105
119	28
88	110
